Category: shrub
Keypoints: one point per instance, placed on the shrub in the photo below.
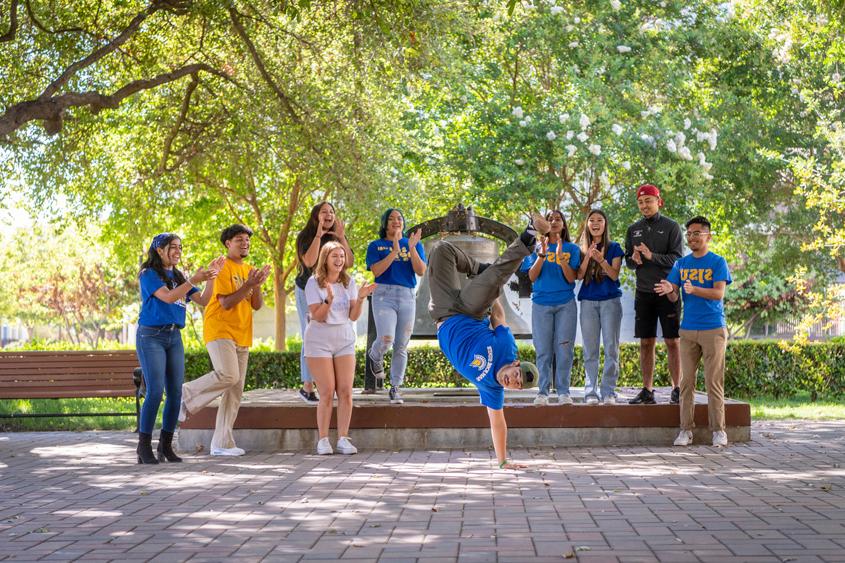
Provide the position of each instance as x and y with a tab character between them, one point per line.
753	368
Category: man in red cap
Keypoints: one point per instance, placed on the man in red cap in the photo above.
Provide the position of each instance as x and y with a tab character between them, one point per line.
652	246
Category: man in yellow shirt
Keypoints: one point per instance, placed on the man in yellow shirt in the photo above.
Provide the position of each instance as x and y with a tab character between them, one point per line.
228	336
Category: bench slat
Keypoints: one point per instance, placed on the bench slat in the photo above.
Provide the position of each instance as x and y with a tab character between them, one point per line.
73	371
66	394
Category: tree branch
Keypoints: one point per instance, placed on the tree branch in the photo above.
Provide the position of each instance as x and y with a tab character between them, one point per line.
183	113
283	98
37	23
13	23
51	110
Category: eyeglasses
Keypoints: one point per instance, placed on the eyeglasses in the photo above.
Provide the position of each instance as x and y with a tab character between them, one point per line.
697	234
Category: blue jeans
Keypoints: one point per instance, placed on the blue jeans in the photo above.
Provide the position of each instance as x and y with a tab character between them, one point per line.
601	318
553	328
162	359
302	311
394	310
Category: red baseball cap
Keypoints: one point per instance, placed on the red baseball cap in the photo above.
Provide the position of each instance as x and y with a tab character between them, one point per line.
648	189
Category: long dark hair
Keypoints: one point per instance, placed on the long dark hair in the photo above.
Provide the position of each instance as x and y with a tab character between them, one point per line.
307	234
154	263
564	233
594	270
382	231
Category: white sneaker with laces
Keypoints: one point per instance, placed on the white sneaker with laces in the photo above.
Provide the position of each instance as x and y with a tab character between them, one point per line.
231	452
684	438
541	400
345	447
324	447
609	400
720	439
591	400
564	400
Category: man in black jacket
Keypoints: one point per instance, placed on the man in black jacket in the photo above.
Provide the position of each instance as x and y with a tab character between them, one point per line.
652	246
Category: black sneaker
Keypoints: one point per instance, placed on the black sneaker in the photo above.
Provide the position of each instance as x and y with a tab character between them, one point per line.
676	396
377	366
308	396
644	397
395	397
312	397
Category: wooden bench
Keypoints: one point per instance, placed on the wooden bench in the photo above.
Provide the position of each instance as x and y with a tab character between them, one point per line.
68	375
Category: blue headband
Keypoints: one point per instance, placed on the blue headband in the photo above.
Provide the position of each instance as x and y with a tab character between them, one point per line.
158	240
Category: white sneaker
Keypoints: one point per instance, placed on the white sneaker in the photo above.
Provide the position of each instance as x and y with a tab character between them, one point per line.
591	400
345	447
564	400
684	438
227	451
324	447
541	400
720	439
609	400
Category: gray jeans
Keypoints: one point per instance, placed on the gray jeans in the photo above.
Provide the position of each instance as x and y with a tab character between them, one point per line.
447	264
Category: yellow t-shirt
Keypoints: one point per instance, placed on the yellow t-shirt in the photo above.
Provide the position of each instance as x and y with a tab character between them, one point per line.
236	323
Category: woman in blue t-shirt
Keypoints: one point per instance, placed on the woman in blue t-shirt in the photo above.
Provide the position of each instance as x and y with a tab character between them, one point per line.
554	316
395	261
164	294
601	307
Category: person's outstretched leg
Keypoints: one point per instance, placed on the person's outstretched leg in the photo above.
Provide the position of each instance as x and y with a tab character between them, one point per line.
446	264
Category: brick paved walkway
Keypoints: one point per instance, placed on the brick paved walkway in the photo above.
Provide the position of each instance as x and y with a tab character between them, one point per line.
781	497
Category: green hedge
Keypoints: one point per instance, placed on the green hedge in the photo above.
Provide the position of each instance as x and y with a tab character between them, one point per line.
754	367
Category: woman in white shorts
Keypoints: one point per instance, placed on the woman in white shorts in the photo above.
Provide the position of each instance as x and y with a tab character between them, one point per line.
334	302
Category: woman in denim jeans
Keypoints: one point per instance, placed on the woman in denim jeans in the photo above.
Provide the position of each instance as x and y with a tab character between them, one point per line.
164	295
554	316
395	261
323	226
601	307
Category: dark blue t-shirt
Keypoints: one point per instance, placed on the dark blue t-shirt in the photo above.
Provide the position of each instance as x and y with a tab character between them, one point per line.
551	287
154	311
701	313
401	271
606	288
478	353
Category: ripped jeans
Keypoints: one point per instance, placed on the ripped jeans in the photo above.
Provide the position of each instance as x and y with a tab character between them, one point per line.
394	310
554	328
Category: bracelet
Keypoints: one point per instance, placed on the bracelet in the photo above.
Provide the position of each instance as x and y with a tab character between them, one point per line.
543	255
502	465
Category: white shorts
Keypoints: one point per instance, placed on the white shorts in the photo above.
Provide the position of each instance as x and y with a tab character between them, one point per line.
329	341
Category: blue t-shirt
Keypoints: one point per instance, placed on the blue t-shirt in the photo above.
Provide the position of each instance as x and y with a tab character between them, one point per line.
551	287
478	353
154	311
401	271
606	288
701	313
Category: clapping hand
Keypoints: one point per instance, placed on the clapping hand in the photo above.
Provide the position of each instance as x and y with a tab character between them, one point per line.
663	287
414	238
257	277
366	290
397	236
689	289
594	253
636	258
339	228
643	250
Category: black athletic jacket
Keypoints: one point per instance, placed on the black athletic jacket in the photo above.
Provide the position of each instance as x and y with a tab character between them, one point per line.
663	237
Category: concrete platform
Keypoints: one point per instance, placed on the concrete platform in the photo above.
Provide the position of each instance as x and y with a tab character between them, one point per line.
276	420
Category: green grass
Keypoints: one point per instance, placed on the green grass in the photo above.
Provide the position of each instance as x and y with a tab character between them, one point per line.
797	407
77	423
762	408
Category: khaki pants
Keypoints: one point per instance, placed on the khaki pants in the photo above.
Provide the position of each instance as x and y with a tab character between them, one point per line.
225	381
709	345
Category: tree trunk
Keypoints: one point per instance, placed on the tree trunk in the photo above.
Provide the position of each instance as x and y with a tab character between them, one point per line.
280	297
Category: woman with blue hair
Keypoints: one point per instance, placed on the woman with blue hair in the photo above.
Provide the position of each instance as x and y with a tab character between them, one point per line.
165	292
395	261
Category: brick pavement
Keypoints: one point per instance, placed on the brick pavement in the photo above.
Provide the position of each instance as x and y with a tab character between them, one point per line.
80	496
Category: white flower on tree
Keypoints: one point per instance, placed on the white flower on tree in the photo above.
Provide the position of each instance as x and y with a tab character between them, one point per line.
573	44
570	150
595	149
707	176
517	112
680	138
519	162
584	121
701	158
563	118
576	19
617	128
616	5
626	165
582	136
713	139
687	123
551	136
569	135
523	123
555	10
569	28
670	145
685	153
623	48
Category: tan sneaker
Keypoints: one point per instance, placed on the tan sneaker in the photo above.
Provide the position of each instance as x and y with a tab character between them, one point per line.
539	223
